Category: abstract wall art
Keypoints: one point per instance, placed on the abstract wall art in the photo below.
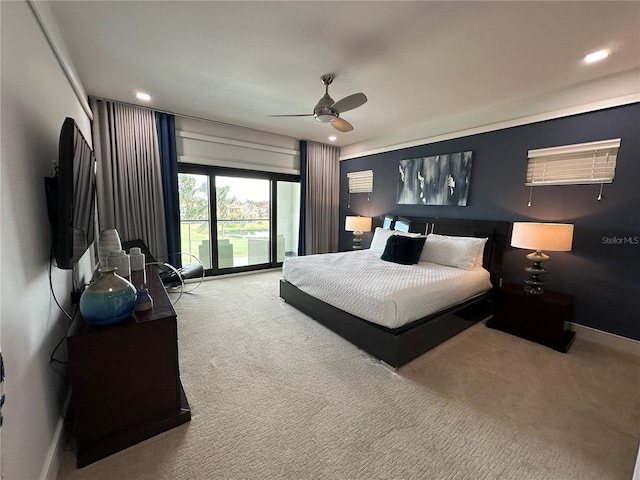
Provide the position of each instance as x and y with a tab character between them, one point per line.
435	180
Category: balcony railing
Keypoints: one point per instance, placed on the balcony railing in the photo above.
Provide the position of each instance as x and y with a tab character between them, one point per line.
195	237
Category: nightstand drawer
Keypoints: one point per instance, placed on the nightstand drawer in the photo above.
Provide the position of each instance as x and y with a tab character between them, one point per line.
537	322
539	318
535	305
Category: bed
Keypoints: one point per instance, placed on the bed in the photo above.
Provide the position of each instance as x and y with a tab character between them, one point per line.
397	325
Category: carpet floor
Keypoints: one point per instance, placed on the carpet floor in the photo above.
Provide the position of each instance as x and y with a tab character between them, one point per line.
273	394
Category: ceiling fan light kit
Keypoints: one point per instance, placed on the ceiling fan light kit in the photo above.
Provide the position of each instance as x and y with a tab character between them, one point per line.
328	111
324	115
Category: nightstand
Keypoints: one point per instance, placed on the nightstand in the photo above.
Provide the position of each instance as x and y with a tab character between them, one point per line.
539	318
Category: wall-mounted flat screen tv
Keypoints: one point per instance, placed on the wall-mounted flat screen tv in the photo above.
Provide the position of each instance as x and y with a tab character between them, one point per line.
71	197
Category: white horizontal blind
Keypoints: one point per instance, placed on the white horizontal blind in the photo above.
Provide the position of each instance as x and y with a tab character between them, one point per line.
360	182
584	163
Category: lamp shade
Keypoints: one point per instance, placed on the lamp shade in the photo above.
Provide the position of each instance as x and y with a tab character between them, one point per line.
552	237
357	224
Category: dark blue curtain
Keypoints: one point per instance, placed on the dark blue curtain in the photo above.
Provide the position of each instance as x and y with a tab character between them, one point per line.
166	128
303	198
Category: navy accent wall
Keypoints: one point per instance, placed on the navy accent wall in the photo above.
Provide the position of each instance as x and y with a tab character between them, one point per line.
603	269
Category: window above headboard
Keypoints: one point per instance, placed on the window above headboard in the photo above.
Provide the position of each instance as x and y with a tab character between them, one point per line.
360	182
583	163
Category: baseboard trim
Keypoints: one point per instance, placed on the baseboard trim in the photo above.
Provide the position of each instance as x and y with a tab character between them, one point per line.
607	339
56	449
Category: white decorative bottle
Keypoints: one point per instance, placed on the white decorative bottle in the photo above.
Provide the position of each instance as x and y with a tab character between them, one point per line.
138	274
120	260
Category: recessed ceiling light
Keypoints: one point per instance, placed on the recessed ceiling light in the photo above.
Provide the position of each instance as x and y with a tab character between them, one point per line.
597	56
143	96
333	138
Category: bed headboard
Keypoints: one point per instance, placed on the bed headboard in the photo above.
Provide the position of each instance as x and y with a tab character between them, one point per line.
496	231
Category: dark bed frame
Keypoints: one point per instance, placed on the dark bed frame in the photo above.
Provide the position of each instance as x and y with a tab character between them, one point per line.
399	346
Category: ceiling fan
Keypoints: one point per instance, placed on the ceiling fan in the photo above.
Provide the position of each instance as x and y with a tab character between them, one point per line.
328	111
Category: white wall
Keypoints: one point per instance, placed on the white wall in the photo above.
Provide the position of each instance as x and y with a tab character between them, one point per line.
36	97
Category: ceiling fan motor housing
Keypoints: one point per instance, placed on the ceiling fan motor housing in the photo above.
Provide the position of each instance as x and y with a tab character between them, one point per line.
322	111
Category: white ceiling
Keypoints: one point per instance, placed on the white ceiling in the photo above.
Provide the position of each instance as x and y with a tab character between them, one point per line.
417	62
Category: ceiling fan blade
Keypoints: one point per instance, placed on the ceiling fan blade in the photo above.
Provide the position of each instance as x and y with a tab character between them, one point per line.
294	115
349	103
341	125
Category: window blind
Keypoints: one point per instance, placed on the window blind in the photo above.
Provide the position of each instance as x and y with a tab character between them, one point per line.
360	182
584	163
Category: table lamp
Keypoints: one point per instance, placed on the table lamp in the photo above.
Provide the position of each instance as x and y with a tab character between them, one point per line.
357	225
552	237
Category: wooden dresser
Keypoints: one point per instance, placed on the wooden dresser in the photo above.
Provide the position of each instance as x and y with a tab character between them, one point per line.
125	379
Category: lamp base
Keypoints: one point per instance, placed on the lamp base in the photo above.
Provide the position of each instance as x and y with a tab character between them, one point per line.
533	285
357	239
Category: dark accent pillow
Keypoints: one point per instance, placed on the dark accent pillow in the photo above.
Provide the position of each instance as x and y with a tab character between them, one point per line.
404	250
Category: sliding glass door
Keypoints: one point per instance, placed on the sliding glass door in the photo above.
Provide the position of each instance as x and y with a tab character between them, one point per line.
195	236
243	209
288	219
236	220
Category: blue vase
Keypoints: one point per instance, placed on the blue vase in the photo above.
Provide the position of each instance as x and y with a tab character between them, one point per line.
144	302
110	299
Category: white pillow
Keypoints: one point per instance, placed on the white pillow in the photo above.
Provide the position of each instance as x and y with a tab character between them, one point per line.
407	234
458	252
381	235
480	256
379	240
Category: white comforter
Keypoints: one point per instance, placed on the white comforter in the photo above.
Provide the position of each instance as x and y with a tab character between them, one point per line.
383	292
